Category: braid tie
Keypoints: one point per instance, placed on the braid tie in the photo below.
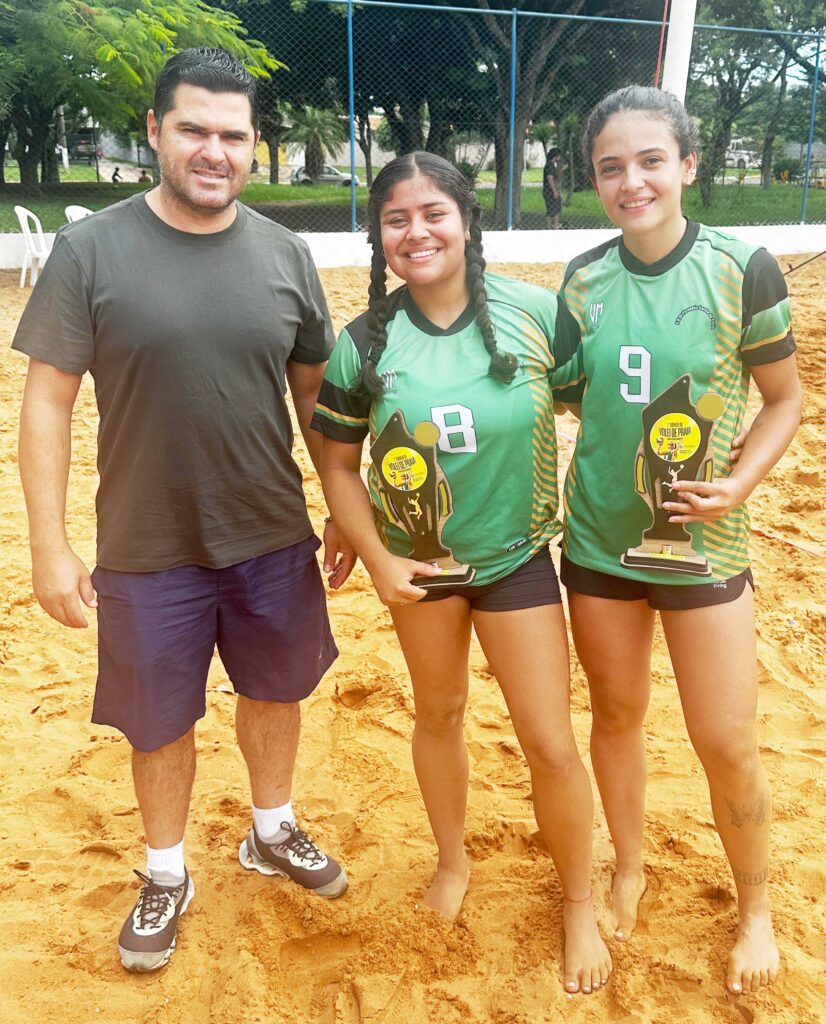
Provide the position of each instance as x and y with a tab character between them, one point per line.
369	382
503	365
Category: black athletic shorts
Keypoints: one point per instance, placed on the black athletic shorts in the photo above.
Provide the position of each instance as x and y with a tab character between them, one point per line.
531	585
663	596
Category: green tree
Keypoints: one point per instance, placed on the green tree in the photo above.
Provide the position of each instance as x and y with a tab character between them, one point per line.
551	53
735	76
318	132
102	55
311	41
545	133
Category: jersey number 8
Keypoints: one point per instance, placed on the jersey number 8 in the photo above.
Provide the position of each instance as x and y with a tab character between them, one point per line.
456	431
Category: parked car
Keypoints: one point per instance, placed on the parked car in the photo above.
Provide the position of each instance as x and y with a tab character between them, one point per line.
329	176
82	145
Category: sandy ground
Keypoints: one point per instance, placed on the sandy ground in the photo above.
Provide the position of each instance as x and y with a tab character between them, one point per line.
253	949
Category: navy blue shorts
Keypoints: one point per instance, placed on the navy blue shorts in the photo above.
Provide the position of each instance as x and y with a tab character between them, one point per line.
532	585
157	632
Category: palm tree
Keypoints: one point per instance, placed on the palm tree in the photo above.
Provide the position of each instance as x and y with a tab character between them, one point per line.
318	132
544	132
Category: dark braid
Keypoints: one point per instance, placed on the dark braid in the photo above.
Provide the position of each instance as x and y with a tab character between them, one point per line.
503	365
453	183
369	383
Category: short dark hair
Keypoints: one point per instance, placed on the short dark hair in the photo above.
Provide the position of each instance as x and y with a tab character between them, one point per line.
209	68
451	181
644	99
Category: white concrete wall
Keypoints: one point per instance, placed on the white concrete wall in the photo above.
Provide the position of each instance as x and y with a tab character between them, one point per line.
338	249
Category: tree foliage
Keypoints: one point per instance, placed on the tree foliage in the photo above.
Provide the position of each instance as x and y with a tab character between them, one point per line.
102	55
317	132
741	81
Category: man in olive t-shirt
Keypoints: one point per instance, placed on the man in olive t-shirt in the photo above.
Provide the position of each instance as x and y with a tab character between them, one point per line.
193	314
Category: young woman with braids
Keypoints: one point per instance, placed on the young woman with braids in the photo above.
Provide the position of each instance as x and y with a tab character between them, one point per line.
461	359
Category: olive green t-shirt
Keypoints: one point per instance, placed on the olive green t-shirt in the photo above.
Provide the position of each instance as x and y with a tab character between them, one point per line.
187	338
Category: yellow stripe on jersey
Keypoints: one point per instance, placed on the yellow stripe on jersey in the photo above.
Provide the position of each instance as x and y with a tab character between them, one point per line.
544	464
340	417
766	341
725	541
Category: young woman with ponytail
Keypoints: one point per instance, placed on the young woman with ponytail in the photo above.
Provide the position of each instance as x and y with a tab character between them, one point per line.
675	320
461	358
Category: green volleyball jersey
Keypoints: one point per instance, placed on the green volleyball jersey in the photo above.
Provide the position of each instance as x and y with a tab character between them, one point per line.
662	373
469	456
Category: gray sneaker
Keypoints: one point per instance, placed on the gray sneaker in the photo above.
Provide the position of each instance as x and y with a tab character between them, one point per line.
147	938
296	857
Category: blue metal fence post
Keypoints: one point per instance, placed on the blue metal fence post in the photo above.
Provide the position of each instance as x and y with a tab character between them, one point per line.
811	133
511	154
351	98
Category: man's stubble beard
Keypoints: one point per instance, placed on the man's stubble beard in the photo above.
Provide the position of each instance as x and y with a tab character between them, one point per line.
179	196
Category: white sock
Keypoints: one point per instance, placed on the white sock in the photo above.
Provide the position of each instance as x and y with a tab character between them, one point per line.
166	866
268	821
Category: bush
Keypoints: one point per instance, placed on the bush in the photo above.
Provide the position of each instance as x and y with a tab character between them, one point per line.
787	169
467	168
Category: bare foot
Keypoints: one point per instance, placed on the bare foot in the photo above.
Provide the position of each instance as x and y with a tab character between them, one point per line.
755	959
627	889
447	891
586	961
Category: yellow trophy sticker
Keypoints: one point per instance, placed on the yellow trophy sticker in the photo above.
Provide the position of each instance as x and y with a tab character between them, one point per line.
404	469
675	437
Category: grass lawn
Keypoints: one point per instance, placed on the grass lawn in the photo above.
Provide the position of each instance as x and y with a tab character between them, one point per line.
77	172
326	207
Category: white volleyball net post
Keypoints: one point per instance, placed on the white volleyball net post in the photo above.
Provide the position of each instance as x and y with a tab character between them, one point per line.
678	47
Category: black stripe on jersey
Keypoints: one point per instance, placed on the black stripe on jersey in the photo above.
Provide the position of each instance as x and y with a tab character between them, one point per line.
591	256
567	335
772	352
342	406
763	285
671	259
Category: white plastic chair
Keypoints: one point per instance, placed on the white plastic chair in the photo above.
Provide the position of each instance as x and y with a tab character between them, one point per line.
74	213
36	249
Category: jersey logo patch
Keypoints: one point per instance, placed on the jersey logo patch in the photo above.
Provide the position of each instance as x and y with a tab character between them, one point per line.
389	380
595	311
699	309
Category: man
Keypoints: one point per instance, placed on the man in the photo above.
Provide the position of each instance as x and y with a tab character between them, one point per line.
193	314
551	191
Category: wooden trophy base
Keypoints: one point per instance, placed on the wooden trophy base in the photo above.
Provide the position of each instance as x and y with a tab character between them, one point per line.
452	575
677	556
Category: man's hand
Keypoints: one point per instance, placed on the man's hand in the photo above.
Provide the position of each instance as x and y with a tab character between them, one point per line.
62	585
391	577
339	556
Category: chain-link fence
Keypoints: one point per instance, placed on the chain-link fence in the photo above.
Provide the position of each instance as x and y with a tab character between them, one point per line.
502	93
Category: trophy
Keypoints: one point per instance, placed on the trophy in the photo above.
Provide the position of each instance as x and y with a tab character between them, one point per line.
415	494
674	446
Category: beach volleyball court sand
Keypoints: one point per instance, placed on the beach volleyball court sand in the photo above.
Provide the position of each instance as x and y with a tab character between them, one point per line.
253	949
